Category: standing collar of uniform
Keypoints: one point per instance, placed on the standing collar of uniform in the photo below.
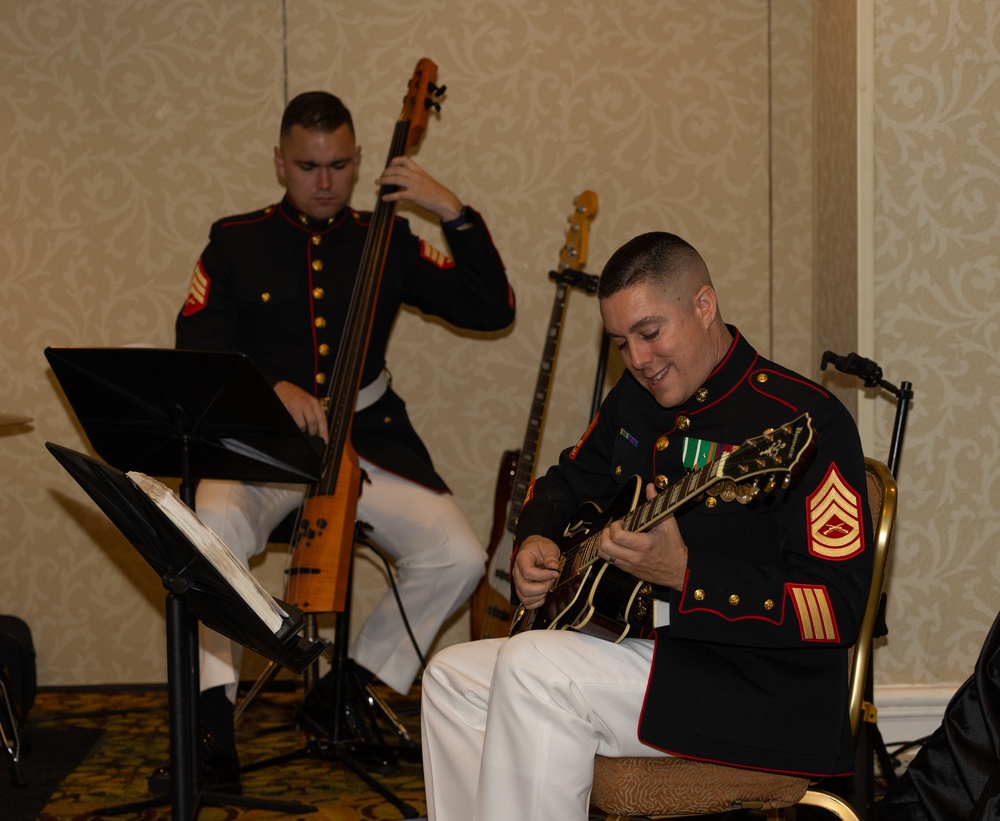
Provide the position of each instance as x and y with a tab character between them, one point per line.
294	215
729	373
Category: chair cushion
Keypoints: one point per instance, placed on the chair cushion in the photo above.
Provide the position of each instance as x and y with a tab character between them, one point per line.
666	786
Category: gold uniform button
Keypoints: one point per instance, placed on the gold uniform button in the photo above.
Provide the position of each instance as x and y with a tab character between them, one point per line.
317	265
734	600
386	419
683	423
699	595
315	239
769	604
303	219
324	350
269	209
662	443
265	297
618	470
701	395
661	482
711	501
320	378
320	322
762	378
318	293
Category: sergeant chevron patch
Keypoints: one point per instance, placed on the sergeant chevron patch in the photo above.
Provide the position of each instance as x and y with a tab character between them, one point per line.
834	511
434	256
197	297
815	613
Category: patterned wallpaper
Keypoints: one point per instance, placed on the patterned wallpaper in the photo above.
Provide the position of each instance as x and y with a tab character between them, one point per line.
937	226
130	126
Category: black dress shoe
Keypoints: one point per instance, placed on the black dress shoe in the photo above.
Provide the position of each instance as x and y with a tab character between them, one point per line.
220	770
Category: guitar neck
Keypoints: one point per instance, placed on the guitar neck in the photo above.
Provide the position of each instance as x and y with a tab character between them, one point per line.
529	449
654	510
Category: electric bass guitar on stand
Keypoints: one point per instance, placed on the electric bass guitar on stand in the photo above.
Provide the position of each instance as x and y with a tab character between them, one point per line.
490	605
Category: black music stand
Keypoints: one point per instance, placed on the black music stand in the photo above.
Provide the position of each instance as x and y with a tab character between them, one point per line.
182	413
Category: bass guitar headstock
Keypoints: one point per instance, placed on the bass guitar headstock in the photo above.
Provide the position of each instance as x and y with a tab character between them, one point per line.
574	252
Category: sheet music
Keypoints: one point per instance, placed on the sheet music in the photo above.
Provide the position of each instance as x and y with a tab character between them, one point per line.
214	550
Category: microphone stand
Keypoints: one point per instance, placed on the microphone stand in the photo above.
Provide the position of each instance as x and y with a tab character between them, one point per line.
861	787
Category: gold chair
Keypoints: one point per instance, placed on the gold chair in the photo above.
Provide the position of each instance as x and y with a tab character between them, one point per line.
673	787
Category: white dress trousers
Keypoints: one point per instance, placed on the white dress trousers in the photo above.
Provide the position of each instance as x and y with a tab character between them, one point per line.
437	555
510	727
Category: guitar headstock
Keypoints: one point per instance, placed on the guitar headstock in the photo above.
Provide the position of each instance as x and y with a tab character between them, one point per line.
574	252
777	450
422	95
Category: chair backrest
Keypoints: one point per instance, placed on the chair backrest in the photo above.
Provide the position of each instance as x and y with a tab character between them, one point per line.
882	500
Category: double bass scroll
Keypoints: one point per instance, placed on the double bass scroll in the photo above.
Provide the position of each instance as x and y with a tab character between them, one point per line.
319	560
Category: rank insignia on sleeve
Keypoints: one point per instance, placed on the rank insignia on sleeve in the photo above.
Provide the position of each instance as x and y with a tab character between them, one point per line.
814	611
197	297
834	511
434	256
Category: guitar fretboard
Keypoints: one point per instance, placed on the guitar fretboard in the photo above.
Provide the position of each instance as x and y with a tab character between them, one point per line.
652	511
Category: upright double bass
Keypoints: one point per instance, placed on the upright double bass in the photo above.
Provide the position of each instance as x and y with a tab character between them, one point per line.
319	560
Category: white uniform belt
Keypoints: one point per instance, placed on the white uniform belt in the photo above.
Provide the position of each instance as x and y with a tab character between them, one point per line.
372	392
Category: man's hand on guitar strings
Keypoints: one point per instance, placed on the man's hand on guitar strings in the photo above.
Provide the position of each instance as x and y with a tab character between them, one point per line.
536	570
657	555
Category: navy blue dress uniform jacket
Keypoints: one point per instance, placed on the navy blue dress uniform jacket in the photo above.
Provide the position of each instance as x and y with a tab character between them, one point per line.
752	670
276	285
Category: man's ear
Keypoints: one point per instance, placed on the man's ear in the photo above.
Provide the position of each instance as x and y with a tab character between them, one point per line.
706	305
279	165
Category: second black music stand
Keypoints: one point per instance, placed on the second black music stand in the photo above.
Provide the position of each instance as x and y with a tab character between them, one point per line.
193	415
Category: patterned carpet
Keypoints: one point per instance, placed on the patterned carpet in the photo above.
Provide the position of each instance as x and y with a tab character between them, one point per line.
135	741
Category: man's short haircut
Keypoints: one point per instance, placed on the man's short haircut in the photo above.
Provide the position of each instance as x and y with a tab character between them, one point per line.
316	111
654	257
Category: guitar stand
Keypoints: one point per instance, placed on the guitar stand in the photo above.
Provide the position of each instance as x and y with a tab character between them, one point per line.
354	736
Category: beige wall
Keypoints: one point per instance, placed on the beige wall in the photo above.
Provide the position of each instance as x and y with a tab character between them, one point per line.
130	126
936	231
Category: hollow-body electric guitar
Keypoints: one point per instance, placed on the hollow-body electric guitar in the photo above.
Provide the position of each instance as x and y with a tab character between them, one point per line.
490	606
596	597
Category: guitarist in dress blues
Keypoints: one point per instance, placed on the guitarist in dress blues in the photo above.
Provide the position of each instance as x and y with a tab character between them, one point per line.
746	591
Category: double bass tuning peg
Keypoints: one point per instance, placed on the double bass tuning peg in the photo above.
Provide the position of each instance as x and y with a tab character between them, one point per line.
435	92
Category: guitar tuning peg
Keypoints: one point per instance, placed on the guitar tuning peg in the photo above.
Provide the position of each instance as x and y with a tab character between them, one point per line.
786	481
771	482
436	90
429	104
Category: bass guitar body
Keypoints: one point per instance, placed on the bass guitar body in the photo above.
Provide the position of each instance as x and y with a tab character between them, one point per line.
600	599
490	607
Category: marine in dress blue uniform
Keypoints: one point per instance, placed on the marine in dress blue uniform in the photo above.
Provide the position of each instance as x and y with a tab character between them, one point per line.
275	284
759	594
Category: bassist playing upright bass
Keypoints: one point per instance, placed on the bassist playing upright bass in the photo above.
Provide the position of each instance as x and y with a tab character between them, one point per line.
275	284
